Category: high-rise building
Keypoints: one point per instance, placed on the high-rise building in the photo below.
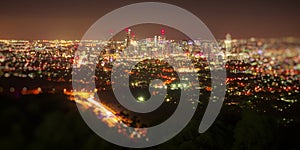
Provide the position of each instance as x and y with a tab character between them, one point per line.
228	45
128	37
163	34
155	41
228	42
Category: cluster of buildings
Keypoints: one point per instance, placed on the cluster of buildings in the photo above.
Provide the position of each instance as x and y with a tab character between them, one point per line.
259	71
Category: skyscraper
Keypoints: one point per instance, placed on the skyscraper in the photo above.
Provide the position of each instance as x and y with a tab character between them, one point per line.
128	37
228	42
228	45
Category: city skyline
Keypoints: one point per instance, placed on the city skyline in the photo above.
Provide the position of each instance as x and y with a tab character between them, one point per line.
72	79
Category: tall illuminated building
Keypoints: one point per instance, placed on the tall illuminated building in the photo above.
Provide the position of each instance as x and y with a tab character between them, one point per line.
163	34
132	37
155	41
228	44
128	37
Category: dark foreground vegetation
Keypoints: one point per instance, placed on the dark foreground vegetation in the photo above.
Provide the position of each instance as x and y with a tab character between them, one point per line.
52	122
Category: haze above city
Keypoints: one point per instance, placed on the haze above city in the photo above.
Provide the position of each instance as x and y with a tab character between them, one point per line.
68	19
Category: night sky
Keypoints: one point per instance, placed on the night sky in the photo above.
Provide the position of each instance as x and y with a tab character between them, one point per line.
69	19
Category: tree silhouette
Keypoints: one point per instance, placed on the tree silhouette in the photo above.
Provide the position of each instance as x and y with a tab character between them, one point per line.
255	131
